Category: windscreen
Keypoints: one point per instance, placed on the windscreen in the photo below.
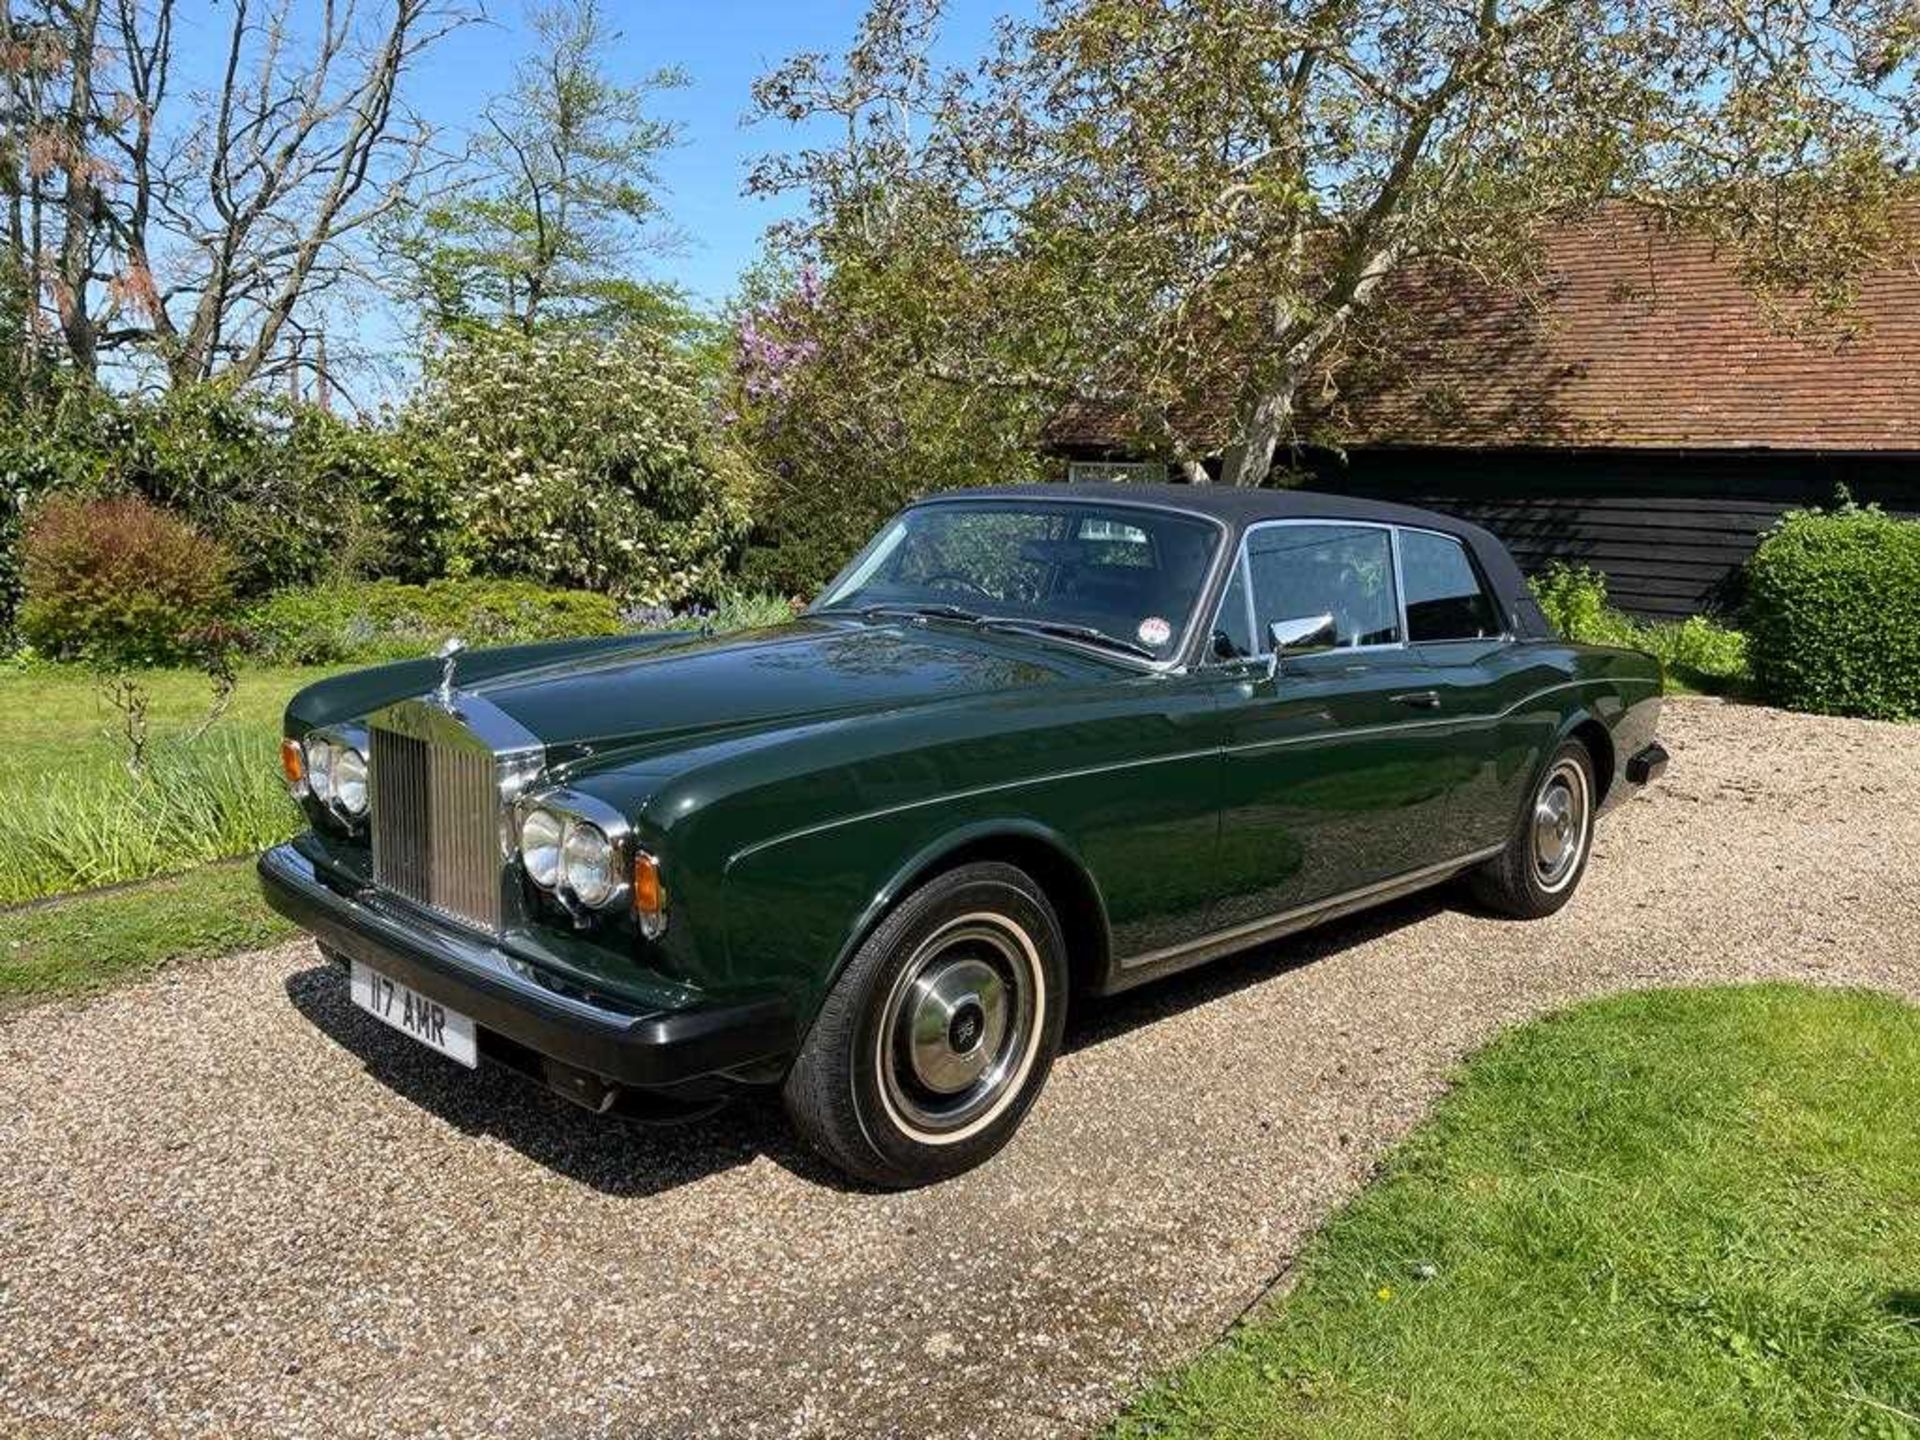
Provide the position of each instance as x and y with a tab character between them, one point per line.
1129	574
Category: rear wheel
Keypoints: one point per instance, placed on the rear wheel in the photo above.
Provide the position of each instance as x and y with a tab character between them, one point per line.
939	1034
1541	867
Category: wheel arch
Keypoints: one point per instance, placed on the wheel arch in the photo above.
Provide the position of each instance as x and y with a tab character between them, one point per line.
1599	742
1044	854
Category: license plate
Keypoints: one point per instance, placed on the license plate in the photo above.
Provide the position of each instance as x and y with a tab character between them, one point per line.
412	1013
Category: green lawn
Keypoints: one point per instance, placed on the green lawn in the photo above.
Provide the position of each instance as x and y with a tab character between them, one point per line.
76	818
1679	1213
85	942
53	716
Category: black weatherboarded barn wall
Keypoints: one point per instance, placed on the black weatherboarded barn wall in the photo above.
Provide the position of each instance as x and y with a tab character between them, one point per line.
1639	410
1670	530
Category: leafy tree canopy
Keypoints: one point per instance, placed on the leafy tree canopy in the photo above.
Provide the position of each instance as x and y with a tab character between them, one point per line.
1150	204
561	199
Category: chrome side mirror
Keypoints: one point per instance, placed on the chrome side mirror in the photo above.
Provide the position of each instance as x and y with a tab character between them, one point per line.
1300	635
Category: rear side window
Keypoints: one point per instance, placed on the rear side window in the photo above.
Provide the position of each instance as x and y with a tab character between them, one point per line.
1445	599
1345	571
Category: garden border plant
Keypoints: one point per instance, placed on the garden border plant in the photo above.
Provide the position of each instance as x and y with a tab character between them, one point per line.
1698	653
122	586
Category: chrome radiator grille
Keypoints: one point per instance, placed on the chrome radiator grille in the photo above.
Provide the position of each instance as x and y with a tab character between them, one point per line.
436	825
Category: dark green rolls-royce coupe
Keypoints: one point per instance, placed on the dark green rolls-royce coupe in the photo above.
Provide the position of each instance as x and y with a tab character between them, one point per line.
1033	745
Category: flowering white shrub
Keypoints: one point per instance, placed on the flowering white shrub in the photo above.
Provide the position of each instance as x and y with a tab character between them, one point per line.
585	462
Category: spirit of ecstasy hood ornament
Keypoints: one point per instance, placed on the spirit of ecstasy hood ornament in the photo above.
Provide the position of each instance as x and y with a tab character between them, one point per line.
449	657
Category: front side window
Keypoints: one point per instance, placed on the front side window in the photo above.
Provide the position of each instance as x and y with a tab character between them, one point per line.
1130	575
1445	599
1346	571
1232	637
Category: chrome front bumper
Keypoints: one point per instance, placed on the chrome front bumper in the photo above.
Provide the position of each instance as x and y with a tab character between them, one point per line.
584	1040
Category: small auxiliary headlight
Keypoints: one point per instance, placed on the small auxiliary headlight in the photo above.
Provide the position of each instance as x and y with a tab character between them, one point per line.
587	864
540	836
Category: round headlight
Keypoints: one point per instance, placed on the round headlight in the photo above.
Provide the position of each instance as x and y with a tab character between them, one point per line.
586	863
319	768
349	778
540	836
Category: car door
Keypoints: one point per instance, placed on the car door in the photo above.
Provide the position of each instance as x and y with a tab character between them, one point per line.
1481	674
1338	763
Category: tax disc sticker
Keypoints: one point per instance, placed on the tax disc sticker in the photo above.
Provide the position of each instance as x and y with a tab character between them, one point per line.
1154	631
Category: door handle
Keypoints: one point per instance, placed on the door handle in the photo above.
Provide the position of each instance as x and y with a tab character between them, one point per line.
1419	699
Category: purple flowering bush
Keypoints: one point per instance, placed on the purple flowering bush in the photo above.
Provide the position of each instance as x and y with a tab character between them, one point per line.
845	425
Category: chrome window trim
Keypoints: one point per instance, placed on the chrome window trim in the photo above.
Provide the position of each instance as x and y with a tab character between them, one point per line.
1501	613
1207	659
1242	553
1395	529
1180	658
1400	589
1244	569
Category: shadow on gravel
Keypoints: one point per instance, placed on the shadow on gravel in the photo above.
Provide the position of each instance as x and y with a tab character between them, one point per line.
1096	1022
619	1157
615	1156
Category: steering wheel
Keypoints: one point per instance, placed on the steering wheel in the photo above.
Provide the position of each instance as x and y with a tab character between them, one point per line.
953	579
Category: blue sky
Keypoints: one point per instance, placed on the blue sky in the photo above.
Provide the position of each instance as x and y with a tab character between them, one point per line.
722	46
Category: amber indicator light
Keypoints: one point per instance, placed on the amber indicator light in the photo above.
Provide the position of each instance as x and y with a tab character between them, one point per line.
649	895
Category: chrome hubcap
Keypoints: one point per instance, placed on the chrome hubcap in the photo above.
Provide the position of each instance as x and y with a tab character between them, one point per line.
956	1036
956	1019
1559	824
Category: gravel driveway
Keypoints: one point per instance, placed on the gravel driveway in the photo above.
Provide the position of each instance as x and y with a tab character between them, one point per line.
230	1204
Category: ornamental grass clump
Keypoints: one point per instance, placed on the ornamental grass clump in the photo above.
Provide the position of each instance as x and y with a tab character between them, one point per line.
1833	612
195	798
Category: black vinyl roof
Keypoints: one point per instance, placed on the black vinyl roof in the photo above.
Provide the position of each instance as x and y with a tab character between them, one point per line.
1239	507
1235	504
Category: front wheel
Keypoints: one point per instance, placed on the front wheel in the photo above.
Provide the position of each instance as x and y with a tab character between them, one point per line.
1538	871
939	1034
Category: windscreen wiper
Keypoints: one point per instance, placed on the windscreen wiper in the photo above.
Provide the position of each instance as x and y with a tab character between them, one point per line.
932	611
1065	631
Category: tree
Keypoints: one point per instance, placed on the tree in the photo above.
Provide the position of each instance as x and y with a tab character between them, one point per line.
199	235
1147	204
846	428
561	199
846	387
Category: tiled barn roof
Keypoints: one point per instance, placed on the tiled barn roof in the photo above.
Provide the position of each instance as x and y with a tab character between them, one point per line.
1645	339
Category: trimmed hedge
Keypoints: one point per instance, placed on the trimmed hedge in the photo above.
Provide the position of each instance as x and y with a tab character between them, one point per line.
1833	613
387	620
